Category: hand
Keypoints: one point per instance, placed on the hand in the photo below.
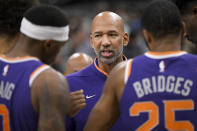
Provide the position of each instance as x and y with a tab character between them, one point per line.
77	102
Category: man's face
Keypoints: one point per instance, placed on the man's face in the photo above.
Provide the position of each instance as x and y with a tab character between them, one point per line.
107	40
51	50
191	26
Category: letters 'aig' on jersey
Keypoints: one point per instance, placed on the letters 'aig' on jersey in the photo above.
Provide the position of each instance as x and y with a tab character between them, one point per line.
160	93
16	77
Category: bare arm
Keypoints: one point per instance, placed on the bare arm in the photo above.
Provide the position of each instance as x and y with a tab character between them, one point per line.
50	97
106	111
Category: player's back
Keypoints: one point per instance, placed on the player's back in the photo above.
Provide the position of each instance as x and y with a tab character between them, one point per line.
16	77
160	93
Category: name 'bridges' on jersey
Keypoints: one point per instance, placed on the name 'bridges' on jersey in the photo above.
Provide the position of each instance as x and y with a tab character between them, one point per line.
161	84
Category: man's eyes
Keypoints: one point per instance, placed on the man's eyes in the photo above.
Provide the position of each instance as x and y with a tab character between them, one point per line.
111	35
97	35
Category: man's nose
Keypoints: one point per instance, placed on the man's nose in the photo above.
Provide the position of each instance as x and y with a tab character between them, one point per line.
105	40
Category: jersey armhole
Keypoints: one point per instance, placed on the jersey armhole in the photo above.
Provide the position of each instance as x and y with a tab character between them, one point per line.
36	72
128	70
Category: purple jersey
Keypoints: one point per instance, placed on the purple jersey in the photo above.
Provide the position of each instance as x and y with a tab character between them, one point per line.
91	79
16	78
160	93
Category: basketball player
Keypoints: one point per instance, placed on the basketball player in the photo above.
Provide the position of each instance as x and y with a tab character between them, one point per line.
188	9
11	15
157	90
33	96
107	40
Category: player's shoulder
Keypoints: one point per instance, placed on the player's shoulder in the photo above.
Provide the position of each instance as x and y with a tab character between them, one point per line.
121	72
49	85
47	76
53	74
121	67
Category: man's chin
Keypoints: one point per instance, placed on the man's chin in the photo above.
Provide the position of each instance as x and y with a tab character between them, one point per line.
107	60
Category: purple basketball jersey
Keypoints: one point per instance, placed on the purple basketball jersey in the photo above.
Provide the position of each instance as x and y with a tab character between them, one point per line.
160	93
16	77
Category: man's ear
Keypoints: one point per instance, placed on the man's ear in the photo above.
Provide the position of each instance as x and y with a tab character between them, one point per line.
147	36
126	39
47	43
183	29
91	41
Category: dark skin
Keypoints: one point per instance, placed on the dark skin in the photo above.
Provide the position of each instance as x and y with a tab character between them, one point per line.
106	111
49	91
7	42
190	20
49	99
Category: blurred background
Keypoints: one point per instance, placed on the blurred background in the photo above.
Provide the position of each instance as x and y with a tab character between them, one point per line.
81	13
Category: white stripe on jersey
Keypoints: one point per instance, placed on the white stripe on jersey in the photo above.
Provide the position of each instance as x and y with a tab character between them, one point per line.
36	73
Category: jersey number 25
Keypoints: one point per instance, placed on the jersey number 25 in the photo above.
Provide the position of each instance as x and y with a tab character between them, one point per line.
170	108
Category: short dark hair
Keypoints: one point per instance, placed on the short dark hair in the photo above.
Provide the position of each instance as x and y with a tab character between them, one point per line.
46	15
183	5
12	13
161	18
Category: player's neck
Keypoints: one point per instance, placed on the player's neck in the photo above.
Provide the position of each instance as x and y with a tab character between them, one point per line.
7	42
22	48
166	45
108	67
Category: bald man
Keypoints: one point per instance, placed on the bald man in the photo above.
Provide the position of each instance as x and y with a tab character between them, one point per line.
107	39
76	62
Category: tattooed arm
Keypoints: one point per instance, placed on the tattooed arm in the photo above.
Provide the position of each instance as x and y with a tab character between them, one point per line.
50	96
